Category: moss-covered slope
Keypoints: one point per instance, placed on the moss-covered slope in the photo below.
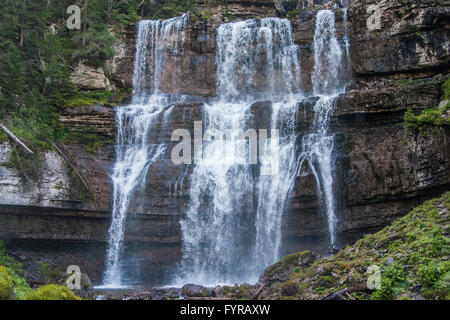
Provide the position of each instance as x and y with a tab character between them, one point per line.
411	258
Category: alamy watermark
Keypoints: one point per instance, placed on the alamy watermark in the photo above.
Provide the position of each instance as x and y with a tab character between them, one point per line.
74	280
374	279
374	20
228	147
74	20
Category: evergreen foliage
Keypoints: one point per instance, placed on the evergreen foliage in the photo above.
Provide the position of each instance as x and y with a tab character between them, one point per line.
38	52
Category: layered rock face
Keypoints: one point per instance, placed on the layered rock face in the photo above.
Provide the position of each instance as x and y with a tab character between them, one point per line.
383	169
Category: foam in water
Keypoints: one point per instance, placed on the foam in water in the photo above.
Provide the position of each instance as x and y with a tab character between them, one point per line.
134	154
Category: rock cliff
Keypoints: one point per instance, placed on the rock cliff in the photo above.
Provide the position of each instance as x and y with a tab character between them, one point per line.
399	58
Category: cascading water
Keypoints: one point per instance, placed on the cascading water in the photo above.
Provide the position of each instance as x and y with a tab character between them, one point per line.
134	153
231	230
223	240
328	83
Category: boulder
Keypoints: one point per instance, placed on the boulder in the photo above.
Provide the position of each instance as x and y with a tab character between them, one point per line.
90	78
193	290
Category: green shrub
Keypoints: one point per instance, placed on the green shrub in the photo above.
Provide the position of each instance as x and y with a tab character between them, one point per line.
6	288
82	98
430	273
172	8
15	271
393	282
429	118
3	136
446	89
51	292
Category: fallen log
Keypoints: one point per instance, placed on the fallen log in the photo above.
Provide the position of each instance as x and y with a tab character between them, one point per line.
15	139
335	295
258	292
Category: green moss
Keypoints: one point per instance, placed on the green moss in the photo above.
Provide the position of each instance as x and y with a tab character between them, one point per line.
51	292
404	82
427	119
3	136
16	273
228	289
289	288
86	137
446	89
50	272
292	13
294	258
88	98
6	287
411	253
429	274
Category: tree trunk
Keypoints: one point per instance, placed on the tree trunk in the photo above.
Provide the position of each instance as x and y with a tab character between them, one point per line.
83	39
15	139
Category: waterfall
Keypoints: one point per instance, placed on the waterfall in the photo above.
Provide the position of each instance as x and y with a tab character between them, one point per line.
274	189
326	77
346	37
256	59
328	83
232	227
134	153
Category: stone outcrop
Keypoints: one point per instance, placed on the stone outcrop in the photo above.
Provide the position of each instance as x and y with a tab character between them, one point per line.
97	119
90	78
119	69
392	37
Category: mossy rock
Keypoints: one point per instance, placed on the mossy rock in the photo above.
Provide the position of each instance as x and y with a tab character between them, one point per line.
6	287
281	270
51	292
289	288
193	290
411	255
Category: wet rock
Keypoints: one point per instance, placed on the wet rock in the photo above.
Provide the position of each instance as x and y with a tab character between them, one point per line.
411	36
193	290
86	290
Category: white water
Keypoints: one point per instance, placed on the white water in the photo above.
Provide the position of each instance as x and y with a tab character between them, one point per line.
134	154
232	228
235	214
328	83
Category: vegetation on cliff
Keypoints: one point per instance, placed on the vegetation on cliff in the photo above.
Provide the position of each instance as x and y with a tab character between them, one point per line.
433	117
51	292
412	256
14	286
6	288
15	272
38	53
